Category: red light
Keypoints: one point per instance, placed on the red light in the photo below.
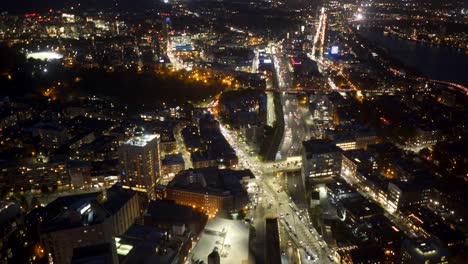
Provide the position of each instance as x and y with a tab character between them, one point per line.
31	15
294	62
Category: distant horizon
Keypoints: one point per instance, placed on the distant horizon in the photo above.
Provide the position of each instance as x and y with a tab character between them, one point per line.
25	6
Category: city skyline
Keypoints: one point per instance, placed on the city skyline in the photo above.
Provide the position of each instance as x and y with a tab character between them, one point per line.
209	131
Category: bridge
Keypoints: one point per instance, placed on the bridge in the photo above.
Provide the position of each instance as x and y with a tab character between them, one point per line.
451	85
302	91
290	164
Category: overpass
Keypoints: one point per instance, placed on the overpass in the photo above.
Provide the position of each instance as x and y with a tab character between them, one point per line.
290	164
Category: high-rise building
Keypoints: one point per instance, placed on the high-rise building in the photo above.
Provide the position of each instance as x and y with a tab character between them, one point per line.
12	233
141	163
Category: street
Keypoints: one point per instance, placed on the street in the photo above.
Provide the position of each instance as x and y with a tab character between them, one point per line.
276	203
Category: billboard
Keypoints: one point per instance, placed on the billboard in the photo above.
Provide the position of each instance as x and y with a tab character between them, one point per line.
334	50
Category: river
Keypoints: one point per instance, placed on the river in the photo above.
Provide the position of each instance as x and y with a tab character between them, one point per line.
441	63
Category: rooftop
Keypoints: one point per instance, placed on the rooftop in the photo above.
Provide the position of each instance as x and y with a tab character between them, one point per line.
211	180
173	213
320	146
143	244
67	211
358	155
361	208
99	253
424	249
230	235
173	159
141	141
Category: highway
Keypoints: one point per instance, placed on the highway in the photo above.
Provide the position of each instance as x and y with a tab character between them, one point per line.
297	118
271	199
277	203
319	37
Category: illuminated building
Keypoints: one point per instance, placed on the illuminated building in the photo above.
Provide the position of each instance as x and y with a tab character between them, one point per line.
346	143
210	189
148	244
423	251
429	224
171	165
51	135
320	158
427	134
12	232
365	137
203	159
181	43
352	136
80	173
402	194
358	210
352	160
140	163
87	219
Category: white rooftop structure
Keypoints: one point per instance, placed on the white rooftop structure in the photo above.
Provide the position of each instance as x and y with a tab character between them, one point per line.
141	141
230	237
45	55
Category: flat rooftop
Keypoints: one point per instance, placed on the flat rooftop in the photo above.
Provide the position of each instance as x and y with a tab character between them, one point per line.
231	237
320	146
141	141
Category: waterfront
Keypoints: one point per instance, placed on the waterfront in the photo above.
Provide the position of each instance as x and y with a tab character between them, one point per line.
442	63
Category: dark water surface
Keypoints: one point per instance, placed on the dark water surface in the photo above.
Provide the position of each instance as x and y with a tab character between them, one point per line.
441	63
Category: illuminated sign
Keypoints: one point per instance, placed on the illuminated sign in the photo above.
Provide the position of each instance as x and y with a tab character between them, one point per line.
84	209
334	50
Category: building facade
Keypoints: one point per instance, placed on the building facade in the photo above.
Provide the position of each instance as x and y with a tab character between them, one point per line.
140	162
88	219
320	158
